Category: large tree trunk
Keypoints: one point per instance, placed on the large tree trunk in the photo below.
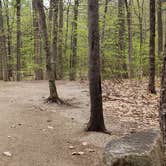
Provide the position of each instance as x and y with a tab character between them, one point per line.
160	29
18	49
60	43
49	67
152	48
96	122
37	45
122	56
73	56
130	37
3	46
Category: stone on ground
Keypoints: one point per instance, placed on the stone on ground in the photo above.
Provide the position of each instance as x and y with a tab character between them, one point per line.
139	149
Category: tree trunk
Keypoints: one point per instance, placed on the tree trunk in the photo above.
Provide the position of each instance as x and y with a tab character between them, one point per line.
103	37
73	56
96	122
160	29
55	35
67	28
18	49
9	42
50	71
60	43
1	67
140	19
162	108
152	48
130	37
122	56
3	46
37	45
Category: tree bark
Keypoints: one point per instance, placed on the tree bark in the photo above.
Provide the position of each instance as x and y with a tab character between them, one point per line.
60	43
37	45
140	19
73	56
162	108
9	42
96	122
151	86
103	37
130	37
55	36
160	29
3	46
18	49
122	56
67	28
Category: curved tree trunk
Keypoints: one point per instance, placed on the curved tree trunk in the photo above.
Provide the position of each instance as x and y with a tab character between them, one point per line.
96	122
49	65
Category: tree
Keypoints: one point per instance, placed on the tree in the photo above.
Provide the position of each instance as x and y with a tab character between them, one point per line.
49	65
18	49
162	108
73	56
37	45
151	86
96	122
67	27
103	37
3	46
121	42
60	42
9	41
160	28
130	37
140	20
55	35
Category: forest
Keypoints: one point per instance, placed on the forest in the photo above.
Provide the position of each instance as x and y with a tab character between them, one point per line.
78	78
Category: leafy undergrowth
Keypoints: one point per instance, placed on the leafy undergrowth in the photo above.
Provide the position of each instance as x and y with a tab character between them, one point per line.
129	101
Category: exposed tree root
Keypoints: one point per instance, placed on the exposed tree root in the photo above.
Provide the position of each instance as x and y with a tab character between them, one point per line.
97	129
57	100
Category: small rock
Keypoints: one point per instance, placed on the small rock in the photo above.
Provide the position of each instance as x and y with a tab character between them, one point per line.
8	154
90	150
84	143
81	153
71	147
12	126
50	127
48	121
78	153
75	153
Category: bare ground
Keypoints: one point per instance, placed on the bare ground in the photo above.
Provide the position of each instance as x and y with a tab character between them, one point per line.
38	134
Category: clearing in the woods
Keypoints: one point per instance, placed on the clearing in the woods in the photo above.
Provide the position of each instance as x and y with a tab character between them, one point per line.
38	134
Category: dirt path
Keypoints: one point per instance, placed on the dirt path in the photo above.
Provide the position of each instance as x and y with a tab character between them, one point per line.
39	134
